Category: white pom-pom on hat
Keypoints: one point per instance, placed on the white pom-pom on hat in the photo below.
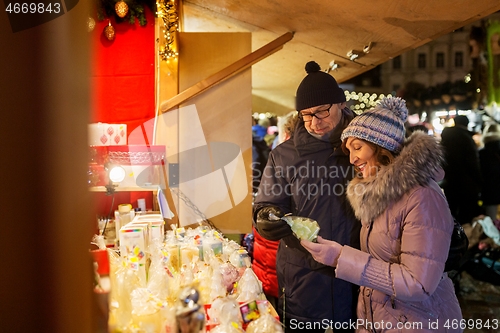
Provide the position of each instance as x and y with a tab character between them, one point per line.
396	105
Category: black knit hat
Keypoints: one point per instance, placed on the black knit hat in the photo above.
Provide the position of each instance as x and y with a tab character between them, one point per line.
317	88
461	120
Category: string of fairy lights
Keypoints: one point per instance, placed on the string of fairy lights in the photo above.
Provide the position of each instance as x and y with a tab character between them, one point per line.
167	12
364	100
360	102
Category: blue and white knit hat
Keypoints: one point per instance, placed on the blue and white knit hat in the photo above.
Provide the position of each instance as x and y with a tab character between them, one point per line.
382	125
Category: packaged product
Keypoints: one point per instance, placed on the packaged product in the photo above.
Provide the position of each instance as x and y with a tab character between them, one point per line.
303	227
249	287
145	311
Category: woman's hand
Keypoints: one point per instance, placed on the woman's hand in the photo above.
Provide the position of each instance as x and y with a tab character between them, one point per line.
325	251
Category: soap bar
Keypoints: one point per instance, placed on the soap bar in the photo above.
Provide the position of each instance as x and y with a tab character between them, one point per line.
303	227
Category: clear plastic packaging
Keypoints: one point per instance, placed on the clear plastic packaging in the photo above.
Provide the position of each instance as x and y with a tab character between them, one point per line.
98	240
145	311
265	323
230	275
175	265
240	259
174	257
225	312
249	287
217	289
169	323
227	328
126	281
303	227
159	276
189	254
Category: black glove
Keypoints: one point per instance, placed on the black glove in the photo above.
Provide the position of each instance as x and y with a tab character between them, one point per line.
272	230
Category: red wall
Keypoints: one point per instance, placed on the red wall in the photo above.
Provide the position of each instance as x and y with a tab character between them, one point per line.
122	87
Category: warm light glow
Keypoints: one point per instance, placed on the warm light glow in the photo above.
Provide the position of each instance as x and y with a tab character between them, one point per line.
436	123
117	174
170	20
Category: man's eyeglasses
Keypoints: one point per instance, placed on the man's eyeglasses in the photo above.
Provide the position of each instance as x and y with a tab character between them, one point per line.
321	114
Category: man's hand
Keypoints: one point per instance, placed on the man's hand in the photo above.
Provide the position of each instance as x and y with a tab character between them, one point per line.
269	228
325	251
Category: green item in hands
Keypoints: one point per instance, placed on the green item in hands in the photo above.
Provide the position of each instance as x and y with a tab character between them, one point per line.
303	227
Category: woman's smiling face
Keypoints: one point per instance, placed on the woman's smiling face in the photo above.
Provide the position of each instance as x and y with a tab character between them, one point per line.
362	155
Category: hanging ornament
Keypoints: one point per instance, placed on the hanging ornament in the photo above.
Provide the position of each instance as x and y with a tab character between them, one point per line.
109	32
121	8
90	24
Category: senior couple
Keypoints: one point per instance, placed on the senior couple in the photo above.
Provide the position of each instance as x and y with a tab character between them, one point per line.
379	262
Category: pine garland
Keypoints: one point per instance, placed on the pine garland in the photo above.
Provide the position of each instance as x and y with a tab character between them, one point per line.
106	9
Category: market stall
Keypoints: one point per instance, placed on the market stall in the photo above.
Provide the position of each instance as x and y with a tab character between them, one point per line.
170	175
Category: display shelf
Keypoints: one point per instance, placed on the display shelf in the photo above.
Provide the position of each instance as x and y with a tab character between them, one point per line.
124	189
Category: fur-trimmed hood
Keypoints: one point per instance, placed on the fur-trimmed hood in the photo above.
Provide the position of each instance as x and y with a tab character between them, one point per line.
419	161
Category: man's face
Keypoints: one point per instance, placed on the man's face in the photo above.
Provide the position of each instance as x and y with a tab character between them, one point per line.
324	125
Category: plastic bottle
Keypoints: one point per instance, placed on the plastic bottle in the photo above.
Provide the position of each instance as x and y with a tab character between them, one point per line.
124	214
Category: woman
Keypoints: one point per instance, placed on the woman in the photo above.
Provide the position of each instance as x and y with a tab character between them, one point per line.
489	158
407	227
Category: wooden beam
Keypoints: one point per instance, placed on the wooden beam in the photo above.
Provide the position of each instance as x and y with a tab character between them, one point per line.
227	72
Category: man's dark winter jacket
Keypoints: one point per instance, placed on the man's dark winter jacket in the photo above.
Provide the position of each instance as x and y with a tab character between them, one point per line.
308	177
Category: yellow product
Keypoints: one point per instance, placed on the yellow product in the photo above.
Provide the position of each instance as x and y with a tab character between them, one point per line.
265	323
146	313
127	281
189	253
174	257
150	322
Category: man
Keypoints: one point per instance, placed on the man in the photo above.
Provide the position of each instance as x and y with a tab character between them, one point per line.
307	176
264	255
462	180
